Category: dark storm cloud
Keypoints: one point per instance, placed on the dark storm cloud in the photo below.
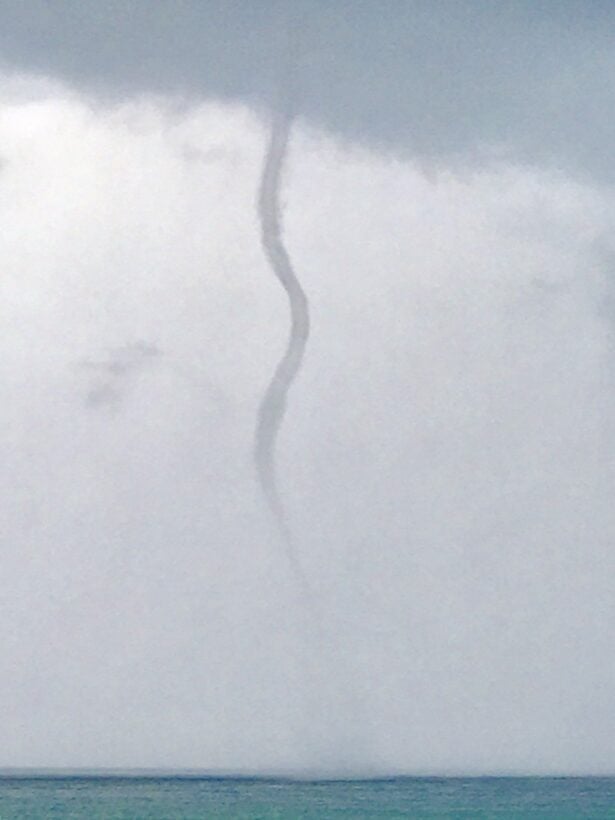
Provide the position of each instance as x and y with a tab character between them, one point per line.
440	79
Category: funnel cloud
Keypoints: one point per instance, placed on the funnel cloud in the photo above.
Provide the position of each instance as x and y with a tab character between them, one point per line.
273	405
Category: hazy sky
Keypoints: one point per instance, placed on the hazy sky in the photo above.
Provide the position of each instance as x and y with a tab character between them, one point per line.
447	454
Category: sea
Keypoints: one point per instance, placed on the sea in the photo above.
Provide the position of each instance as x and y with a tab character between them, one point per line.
188	797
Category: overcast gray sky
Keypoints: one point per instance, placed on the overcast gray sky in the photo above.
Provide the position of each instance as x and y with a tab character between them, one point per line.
446	457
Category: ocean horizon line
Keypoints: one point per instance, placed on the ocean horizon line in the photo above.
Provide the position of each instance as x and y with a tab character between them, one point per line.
275	776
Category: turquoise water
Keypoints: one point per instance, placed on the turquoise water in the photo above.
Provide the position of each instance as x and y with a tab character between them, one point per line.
172	798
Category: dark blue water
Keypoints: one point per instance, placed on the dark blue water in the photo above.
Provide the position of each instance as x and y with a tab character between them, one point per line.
172	798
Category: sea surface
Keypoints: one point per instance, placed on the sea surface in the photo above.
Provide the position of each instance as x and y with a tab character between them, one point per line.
172	798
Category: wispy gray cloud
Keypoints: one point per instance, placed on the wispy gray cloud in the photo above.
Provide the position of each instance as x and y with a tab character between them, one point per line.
112	374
